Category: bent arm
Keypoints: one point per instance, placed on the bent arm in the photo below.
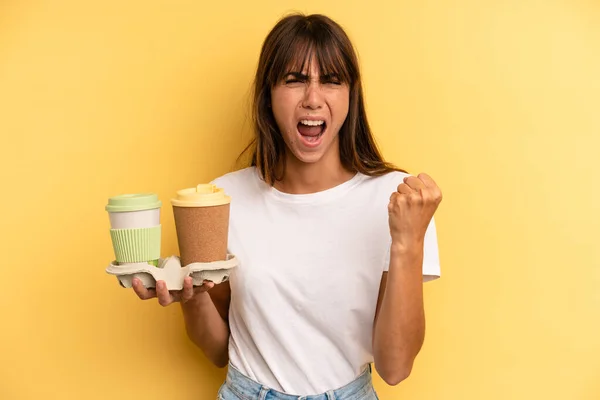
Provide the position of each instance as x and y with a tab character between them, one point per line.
399	327
206	323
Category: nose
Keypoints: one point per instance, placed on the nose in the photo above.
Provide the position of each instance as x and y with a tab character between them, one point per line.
313	98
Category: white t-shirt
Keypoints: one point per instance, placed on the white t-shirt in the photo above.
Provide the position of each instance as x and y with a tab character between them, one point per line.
304	295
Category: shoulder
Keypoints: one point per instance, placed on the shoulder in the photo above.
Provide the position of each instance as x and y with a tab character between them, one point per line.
373	192
238	182
386	183
239	176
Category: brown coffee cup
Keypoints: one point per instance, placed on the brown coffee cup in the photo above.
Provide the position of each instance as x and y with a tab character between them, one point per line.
202	223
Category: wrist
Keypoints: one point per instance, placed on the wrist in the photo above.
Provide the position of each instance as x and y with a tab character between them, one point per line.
408	259
199	299
406	248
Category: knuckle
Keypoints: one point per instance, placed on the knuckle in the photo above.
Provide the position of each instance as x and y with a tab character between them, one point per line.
141	295
199	289
163	302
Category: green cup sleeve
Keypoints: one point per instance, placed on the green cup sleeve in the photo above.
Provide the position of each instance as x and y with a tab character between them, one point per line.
137	244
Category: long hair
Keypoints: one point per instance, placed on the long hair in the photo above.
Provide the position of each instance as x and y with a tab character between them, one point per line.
290	45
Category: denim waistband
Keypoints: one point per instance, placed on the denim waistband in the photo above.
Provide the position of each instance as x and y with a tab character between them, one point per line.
246	388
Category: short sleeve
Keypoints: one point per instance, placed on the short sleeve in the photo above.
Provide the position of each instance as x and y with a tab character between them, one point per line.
431	255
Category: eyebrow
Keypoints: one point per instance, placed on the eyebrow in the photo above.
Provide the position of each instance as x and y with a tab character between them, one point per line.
328	77
302	77
298	75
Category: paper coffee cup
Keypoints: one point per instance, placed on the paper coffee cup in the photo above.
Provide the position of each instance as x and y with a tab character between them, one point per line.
135	227
202	223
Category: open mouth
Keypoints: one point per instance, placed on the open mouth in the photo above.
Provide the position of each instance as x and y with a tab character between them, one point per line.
311	130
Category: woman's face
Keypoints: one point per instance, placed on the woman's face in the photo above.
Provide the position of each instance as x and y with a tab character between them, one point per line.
310	110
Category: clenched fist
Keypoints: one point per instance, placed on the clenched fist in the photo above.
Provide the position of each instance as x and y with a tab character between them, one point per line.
410	210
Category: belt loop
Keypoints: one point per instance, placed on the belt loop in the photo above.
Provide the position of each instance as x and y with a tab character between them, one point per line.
330	395
263	393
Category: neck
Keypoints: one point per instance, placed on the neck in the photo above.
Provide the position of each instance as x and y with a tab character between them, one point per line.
305	178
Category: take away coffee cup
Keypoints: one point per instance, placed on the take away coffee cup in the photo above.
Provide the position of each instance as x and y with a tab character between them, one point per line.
135	227
202	223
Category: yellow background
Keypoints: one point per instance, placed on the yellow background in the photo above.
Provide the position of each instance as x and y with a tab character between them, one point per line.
497	100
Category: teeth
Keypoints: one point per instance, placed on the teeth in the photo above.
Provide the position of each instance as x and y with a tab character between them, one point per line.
311	123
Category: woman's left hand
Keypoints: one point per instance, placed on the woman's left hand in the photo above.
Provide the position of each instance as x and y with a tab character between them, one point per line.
410	210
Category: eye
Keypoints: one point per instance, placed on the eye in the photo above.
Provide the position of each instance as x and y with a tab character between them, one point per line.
291	80
332	80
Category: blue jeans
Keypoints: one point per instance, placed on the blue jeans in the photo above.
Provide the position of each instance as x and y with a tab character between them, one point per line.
239	387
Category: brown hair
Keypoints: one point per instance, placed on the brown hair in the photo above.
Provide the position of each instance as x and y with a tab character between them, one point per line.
291	43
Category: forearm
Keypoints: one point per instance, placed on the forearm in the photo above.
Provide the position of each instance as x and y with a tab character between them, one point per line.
206	328
400	326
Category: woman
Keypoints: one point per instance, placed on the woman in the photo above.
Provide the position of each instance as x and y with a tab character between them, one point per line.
333	242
